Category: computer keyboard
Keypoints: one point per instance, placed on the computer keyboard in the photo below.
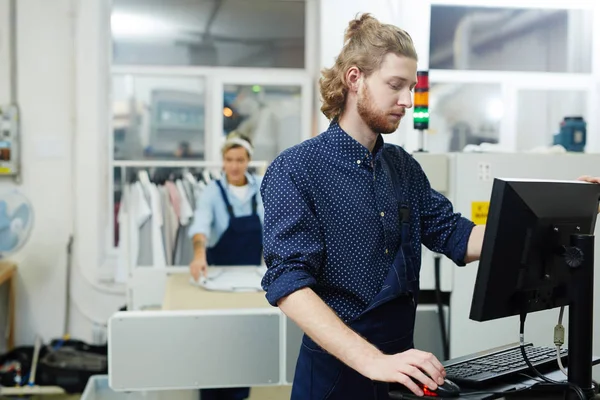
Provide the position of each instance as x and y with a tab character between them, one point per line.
482	368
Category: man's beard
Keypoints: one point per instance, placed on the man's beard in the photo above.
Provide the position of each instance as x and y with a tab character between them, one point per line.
375	119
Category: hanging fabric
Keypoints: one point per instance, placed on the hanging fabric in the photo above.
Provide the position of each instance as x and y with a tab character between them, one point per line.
154	217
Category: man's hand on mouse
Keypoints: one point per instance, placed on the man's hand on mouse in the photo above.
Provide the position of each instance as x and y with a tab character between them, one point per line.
403	367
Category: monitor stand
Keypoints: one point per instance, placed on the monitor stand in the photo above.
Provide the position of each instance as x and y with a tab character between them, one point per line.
579	257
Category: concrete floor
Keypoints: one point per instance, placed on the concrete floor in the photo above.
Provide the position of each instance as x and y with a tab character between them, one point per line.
257	393
271	393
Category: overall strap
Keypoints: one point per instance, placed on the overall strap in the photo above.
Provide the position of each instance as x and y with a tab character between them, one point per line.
403	208
254	204
225	199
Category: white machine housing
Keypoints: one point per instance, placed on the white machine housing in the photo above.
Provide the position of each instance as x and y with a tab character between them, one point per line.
467	178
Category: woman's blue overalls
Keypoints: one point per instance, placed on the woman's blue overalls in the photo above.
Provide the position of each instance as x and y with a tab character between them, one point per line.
240	244
387	323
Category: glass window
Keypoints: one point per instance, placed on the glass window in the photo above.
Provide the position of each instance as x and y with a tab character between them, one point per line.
156	117
269	115
505	39
231	33
464	114
541	112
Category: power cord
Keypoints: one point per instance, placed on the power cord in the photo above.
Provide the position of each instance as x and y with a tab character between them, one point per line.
441	316
559	340
578	391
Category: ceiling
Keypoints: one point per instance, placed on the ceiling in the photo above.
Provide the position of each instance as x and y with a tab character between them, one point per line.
219	20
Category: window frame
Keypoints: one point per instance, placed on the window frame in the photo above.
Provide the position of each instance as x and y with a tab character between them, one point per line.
512	81
215	78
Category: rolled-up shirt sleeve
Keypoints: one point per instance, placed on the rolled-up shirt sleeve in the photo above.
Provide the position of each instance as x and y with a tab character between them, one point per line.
203	214
442	229
293	244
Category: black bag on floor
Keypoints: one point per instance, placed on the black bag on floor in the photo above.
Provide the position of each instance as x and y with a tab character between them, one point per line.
69	364
15	366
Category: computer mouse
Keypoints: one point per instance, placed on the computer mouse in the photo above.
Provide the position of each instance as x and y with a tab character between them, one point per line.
448	389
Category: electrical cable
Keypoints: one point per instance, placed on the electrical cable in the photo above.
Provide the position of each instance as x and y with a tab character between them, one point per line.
559	340
440	305
578	391
560	363
533	378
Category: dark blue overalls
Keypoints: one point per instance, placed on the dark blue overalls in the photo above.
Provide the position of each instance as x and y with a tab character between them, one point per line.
387	323
240	244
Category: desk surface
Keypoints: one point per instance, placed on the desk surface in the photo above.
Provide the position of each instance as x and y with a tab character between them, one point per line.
180	294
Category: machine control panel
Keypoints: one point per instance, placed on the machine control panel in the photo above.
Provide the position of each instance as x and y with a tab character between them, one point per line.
9	142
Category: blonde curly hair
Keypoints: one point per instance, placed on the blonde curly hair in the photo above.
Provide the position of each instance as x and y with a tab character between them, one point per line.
366	42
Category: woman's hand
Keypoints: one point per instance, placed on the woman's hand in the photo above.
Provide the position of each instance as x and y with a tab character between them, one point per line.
198	267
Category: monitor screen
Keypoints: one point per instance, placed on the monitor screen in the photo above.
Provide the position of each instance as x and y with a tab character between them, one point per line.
522	268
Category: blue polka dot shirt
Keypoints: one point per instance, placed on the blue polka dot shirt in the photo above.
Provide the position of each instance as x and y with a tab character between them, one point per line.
332	222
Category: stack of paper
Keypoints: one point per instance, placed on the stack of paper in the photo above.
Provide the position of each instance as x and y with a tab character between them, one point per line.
232	279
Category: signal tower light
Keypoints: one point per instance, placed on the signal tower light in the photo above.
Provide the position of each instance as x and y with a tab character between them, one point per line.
421	102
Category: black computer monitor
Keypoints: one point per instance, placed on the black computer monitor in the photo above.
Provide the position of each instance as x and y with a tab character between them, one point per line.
522	266
538	254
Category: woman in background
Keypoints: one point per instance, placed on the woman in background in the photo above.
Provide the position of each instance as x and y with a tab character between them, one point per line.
227	227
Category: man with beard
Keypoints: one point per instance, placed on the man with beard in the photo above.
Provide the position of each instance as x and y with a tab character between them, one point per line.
345	218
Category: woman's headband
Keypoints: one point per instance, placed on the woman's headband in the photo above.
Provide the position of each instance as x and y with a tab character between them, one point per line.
240	142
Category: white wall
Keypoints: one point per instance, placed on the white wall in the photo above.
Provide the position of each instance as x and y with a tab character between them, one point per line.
63	172
43	97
